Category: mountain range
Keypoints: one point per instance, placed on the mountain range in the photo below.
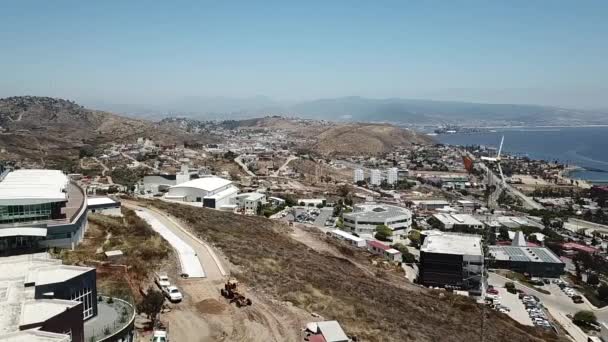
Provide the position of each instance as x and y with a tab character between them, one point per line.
360	109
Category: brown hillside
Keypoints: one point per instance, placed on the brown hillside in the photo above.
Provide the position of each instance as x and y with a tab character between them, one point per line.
366	139
373	307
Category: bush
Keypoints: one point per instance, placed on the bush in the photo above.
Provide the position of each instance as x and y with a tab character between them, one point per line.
602	291
584	317
383	233
510	286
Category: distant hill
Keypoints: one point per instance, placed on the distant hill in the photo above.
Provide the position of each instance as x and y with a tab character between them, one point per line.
42	128
360	109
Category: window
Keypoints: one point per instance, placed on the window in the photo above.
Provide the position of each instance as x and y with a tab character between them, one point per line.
85	296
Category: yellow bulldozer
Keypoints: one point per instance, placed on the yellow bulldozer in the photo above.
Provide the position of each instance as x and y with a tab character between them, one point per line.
231	293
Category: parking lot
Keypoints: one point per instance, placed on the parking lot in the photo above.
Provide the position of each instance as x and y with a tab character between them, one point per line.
518	311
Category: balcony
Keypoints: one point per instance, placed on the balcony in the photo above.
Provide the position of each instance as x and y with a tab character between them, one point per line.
113	320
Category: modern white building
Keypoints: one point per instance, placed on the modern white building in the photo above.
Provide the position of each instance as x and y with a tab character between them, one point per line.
366	217
392	176
358	175
249	202
212	192
375	177
349	238
40	208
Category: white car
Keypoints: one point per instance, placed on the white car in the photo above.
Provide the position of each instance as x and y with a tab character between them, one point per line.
172	292
160	335
162	280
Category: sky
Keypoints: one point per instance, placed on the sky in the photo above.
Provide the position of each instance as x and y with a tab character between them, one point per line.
145	52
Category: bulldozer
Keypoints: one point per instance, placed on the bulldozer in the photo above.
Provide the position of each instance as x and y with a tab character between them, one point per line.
230	292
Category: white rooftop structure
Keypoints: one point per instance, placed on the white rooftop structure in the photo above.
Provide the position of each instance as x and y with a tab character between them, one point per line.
34	336
91	201
205	183
451	243
519	240
38	311
449	220
33	187
332	331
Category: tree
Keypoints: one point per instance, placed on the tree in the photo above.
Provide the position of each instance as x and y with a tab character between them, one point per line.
503	233
584	317
510	286
151	304
593	279
585	259
383	233
602	291
414	237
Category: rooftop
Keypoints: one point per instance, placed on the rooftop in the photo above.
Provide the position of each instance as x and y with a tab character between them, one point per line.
252	196
332	331
34	336
33	187
457	219
528	254
101	201
38	311
377	212
451	243
205	183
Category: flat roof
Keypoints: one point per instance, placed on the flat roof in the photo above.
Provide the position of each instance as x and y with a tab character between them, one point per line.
525	254
40	310
22	231
452	243
347	235
252	196
55	274
101	201
377	212
205	183
332	331
458	219
33	335
33	187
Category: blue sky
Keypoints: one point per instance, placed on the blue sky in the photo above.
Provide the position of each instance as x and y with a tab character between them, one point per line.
545	52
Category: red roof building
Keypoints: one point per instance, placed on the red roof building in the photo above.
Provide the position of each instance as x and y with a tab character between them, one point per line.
579	248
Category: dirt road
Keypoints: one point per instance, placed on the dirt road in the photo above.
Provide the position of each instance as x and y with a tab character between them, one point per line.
205	316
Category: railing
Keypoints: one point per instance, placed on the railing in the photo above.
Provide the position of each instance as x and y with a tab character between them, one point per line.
125	316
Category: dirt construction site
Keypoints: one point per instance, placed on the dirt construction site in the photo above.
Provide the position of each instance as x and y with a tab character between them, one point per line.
204	315
294	276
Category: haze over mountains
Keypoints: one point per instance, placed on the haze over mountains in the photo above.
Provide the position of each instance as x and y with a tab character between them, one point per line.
354	108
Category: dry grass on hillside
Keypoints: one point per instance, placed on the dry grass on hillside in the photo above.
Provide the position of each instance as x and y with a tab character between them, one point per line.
368	306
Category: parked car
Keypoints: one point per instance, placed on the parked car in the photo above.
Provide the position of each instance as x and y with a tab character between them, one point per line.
492	291
577	299
162	280
172	293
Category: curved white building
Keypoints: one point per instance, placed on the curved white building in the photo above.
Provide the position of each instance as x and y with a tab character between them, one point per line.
366	217
213	192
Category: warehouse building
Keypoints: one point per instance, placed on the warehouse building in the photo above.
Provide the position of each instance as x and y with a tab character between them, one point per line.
249	202
349	238
455	221
44	298
212	192
104	206
451	259
38	209
366	217
535	261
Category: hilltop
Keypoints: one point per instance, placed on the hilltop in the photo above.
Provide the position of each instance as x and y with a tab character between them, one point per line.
44	128
366	139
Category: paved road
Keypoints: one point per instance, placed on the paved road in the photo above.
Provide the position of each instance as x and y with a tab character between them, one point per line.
243	166
210	262
284	166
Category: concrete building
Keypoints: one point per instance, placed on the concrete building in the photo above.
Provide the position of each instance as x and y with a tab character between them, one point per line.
104	206
45	299
536	261
392	176
38	209
249	202
375	177
349	238
366	217
212	192
455	221
383	250
450	259
358	175
430	204
159	183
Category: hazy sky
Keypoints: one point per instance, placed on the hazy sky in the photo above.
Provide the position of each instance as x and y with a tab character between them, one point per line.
545	52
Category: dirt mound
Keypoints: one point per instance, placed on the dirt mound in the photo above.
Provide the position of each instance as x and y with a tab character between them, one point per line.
210	306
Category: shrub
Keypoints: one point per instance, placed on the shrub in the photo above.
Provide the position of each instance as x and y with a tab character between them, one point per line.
584	317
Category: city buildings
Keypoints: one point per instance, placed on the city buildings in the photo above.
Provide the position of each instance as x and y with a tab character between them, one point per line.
384	251
366	217
45	299
392	176
40	208
358	175
451	259
249	202
375	177
349	238
212	192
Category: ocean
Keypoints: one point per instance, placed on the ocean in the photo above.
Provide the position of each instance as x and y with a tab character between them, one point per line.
586	147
